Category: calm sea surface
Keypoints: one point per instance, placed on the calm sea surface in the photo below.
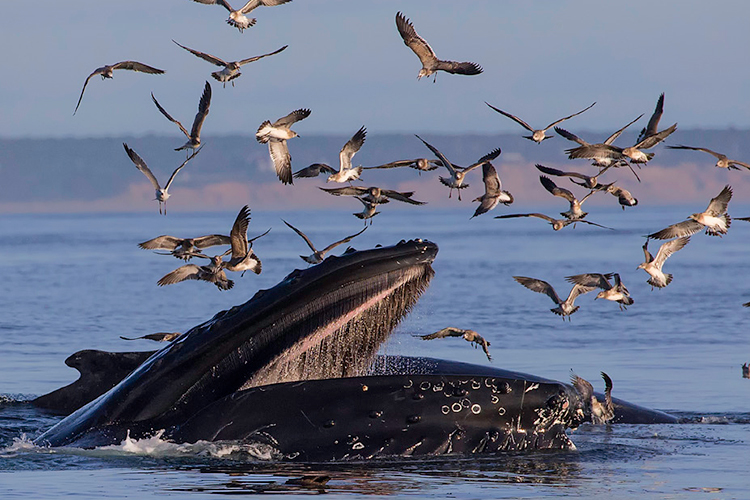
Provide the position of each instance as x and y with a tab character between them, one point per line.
74	282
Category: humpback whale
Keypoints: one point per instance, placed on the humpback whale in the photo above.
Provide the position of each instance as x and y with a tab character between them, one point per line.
296	368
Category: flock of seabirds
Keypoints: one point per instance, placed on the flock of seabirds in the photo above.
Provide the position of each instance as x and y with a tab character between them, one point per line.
605	156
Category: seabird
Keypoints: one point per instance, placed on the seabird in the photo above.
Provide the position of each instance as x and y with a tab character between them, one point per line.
213	273
653	122
237	17
493	191
536	135
634	153
162	194
419	164
243	258
194	136
556	224
276	134
715	219
468	335
624	197
600	413
157	337
374	195
369	210
108	72
588	181
318	255
346	172
231	69
575	212
184	248
722	160
564	307
457	174
430	63
653	265
314	170
616	293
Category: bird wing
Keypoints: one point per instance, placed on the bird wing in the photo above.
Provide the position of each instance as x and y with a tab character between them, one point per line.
559	173
282	160
394	164
163	242
171	177
141	165
345	240
553	189
512	117
718	205
211	240
252	4
97	71
440	156
668	248
459	68
568	117
136	66
608	386
646	254
346	191
492	184
200	117
398	196
587	222
293	117
740	163
415	42
182	273
652	140
583	386
302	235
238	235
445	332
314	170
684	228
571	137
653	122
593	280
488	157
206	57
251	59
609	140
539	286
577	290
705	150
168	116
350	149
538	215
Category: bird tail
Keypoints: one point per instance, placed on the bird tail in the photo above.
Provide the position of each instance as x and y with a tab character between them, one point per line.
262	134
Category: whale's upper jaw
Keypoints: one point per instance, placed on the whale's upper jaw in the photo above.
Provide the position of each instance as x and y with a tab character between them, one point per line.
326	321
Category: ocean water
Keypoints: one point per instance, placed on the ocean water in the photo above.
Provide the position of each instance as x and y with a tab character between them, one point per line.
76	282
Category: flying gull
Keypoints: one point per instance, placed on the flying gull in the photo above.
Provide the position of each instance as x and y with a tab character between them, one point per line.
564	307
108	72
194	136
276	134
231	70
600	413
212	273
184	248
556	224
649	136
722	160
493	191
162	194
237	17
242	256
653	265
157	337
419	164
468	335
430	63
589	181
624	197
318	255
575	212
374	194
369	210
346	172
715	220
536	135
457	173
614	292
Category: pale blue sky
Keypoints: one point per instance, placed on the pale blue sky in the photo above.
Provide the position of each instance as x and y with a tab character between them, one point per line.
346	62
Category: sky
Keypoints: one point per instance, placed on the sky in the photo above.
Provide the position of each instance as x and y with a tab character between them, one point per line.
348	64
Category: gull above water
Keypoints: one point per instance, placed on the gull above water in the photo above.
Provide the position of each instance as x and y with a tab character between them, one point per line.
242	256
615	293
184	248
318	255
369	210
556	224
715	220
653	265
212	273
374	194
600	413
493	191
649	136
575	212
346	172
537	135
420	164
457	173
430	63
108	72
162	194
468	335
276	134
722	160
194	136
237	17
231	70
564	307
624	197
589	181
